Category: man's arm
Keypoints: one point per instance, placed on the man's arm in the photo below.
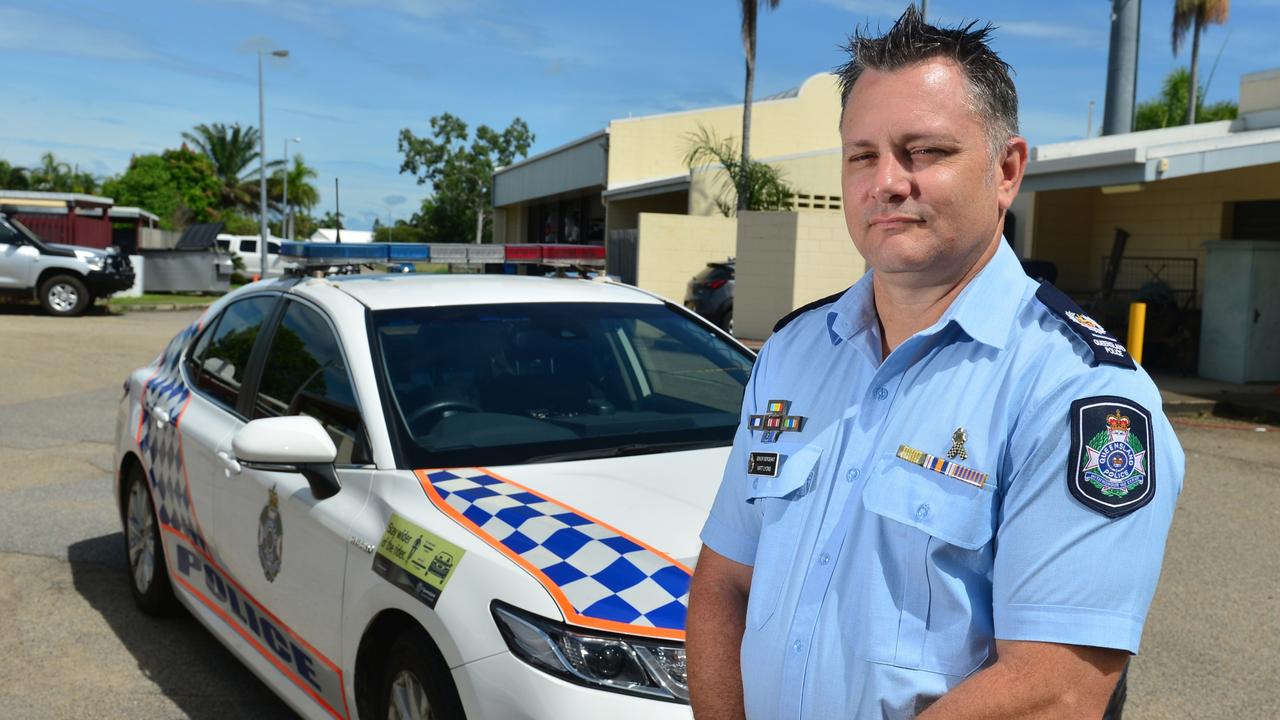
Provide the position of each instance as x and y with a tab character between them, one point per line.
713	635
1036	680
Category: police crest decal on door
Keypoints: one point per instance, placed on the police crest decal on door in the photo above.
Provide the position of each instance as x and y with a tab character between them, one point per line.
270	537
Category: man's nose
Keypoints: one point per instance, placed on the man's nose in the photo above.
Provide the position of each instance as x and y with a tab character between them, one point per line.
893	181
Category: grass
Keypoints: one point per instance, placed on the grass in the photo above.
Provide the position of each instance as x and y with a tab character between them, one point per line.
164	299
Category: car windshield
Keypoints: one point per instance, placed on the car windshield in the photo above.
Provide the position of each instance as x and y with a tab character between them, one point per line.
544	382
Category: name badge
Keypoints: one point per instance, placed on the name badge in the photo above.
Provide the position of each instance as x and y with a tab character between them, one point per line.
763	463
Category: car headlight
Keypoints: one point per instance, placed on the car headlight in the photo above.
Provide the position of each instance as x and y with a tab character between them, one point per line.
621	663
95	262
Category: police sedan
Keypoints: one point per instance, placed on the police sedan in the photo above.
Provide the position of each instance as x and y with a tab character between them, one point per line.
434	496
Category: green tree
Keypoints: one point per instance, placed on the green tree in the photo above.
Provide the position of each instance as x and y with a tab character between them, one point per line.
749	12
13	177
1168	109
53	175
461	174
234	153
179	186
303	195
765	187
1193	15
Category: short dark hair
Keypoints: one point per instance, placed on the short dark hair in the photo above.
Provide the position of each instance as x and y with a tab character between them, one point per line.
911	40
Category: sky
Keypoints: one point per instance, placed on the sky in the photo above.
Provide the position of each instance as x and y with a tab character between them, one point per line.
97	83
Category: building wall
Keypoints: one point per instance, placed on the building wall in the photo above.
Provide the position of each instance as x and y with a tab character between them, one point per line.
814	174
1168	218
646	148
786	260
675	247
625	214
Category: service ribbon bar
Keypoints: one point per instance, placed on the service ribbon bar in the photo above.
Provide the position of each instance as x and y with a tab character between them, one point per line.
945	467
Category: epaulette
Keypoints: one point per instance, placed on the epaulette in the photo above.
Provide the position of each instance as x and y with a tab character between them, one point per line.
1105	348
806	308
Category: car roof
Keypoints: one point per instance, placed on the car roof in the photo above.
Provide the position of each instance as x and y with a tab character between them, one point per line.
389	291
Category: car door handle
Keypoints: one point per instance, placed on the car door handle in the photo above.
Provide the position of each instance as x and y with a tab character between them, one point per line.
162	417
232	464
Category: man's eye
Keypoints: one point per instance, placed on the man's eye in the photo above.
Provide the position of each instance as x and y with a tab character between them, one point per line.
926	152
860	158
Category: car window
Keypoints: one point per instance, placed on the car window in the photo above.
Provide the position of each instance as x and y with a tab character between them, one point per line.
513	383
223	245
273	248
305	374
8	234
220	357
248	246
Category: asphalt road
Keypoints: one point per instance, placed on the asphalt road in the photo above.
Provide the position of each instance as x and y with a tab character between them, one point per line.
72	644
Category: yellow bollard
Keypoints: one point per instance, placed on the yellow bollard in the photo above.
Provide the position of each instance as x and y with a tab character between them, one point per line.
1137	328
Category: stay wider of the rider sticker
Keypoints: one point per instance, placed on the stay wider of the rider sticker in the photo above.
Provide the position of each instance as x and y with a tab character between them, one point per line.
763	463
415	560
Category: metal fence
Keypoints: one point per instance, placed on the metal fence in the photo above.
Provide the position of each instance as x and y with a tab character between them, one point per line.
1155	278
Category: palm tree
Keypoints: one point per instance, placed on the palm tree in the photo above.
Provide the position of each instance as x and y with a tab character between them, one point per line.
13	177
750	10
1193	15
234	153
53	175
302	194
764	187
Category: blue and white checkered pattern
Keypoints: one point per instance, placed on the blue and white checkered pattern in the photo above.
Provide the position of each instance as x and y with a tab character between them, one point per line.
603	574
159	441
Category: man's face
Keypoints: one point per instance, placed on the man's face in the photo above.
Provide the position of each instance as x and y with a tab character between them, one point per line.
922	193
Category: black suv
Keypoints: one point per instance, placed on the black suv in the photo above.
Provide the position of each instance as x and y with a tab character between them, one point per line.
710	294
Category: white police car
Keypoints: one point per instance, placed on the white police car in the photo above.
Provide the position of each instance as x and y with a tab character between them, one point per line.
433	496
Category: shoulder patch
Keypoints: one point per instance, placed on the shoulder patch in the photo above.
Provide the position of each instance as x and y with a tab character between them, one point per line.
806	308
1111	465
1106	349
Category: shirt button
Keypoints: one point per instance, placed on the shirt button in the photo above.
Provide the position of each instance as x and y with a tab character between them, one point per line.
922	512
824	558
797	646
881	393
851	475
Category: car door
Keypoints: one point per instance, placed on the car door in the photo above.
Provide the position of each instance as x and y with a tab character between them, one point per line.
283	544
190	427
17	259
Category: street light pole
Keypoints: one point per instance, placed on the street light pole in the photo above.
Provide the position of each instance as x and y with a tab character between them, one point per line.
287	230
262	163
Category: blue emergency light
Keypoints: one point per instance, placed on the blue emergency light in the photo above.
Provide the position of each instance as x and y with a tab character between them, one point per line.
313	254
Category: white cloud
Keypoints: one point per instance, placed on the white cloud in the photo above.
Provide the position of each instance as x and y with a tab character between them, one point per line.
27	32
1037	30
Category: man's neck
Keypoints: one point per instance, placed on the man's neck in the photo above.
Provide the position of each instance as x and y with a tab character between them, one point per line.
905	308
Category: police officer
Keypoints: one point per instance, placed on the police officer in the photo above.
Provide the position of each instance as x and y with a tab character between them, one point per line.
950	491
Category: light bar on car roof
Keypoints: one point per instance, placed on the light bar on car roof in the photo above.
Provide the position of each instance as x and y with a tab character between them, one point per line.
321	253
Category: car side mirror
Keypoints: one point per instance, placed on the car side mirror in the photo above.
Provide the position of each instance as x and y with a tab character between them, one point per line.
297	443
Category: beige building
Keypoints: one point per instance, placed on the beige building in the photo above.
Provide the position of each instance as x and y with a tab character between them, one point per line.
627	186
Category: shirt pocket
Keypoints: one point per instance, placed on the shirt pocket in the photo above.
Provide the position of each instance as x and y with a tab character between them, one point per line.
781	501
934	556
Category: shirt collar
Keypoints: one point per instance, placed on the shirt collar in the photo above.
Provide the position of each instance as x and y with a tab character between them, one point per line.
984	309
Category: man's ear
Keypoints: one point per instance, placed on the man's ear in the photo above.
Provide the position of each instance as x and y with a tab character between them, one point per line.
1010	167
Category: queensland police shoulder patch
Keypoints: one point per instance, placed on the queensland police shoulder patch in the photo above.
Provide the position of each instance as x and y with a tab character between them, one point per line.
1111	466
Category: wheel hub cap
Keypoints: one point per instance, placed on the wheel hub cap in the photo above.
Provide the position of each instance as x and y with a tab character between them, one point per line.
408	699
141	538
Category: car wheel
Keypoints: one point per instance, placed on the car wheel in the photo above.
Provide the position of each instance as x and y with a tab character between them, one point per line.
65	295
415	685
726	320
148	572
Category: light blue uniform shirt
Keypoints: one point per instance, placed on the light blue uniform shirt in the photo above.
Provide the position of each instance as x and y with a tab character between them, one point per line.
880	584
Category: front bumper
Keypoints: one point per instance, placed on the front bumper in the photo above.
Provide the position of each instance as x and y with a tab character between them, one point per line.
501	686
104	282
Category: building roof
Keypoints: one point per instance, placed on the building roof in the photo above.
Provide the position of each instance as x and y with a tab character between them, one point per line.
348	236
132	212
33	198
1138	157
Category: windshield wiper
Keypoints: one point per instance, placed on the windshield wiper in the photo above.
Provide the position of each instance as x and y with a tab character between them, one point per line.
629	449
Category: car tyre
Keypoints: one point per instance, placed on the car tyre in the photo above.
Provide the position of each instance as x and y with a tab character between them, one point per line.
416	684
65	296
144	553
725	322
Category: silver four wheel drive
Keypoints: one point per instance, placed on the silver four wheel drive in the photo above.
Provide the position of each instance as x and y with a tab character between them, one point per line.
64	278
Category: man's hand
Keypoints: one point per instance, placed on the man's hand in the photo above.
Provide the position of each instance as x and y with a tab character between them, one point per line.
713	635
1036	680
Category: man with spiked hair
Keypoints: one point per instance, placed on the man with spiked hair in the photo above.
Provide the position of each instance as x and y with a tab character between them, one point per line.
950	490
